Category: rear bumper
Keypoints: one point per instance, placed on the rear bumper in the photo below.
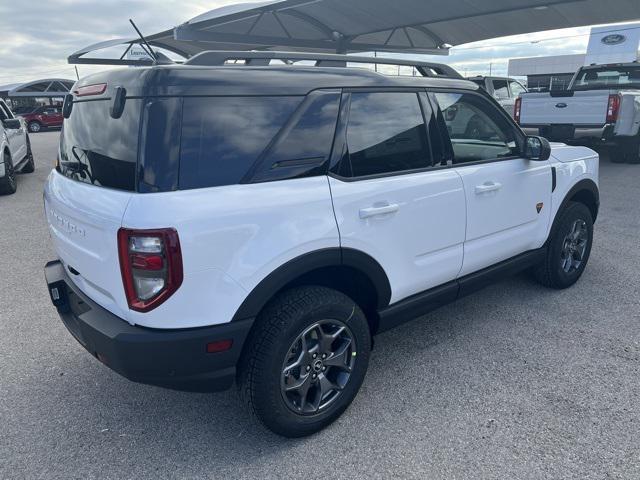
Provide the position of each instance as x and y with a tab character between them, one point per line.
585	134
175	359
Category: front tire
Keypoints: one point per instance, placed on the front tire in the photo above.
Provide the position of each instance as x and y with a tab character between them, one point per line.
568	248
305	360
8	184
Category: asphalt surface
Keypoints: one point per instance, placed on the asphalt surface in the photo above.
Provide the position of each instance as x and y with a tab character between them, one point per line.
513	382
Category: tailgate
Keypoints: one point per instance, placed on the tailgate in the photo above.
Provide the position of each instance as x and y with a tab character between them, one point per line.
83	222
573	108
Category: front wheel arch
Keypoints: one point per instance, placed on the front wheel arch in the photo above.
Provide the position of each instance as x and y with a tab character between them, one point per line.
586	192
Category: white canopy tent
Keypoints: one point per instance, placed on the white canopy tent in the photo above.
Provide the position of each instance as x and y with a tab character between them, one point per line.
346	26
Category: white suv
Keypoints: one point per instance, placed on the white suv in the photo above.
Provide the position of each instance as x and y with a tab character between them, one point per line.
15	149
218	223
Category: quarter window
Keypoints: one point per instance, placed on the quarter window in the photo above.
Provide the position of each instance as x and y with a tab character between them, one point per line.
386	134
222	137
303	146
478	131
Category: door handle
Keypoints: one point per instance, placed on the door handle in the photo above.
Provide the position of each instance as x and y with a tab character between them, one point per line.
488	187
379	210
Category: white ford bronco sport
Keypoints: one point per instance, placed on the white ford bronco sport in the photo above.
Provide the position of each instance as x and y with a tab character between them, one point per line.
259	223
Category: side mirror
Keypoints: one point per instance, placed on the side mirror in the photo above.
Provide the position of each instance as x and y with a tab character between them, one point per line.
537	149
12	124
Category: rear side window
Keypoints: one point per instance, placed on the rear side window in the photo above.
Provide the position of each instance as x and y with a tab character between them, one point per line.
98	149
222	137
386	134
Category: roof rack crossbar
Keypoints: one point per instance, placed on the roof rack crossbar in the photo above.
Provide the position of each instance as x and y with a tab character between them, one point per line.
219	58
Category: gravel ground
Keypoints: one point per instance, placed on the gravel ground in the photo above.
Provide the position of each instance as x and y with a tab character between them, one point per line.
515	381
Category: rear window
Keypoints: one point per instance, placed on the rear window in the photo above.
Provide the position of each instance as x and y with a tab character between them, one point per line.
222	137
607	77
98	149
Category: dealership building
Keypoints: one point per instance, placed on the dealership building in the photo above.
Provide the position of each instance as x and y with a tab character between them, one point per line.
607	45
24	97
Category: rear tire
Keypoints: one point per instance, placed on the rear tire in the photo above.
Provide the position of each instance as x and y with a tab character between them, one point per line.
305	360
631	150
8	183
30	166
617	154
568	248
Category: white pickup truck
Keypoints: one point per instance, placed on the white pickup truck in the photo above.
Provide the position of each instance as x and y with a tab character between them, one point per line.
601	106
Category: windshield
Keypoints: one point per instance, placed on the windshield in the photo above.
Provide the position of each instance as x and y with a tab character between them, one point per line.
607	77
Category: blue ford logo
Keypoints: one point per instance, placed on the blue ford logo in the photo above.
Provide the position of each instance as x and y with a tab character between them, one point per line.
614	39
561	105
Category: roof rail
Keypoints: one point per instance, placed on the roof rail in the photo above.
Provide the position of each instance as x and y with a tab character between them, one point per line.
262	58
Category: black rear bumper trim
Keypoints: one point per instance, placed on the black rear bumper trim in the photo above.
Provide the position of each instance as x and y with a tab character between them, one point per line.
175	359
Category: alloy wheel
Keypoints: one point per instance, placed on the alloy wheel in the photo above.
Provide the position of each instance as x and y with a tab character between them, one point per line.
574	247
318	366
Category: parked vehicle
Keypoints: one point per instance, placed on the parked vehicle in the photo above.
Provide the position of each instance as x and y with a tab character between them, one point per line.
504	89
15	150
260	224
601	107
47	116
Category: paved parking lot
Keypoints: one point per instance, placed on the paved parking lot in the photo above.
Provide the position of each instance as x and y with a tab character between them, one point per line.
515	381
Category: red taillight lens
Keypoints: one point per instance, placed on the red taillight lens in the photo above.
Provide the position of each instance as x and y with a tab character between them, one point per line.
151	266
613	108
95	89
517	109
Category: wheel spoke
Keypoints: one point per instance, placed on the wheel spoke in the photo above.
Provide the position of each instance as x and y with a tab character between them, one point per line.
326	386
298	362
340	358
301	385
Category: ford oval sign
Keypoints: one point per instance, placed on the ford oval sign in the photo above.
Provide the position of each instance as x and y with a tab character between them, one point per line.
614	39
561	105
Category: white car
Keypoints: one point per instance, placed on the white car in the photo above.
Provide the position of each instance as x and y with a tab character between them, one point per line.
600	107
259	224
15	149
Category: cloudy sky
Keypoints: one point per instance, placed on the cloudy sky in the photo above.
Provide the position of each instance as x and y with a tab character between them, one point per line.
38	35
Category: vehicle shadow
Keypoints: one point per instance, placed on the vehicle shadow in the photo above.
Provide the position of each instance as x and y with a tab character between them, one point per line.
172	426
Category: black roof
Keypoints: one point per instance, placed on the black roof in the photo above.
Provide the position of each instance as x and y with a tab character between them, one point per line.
187	80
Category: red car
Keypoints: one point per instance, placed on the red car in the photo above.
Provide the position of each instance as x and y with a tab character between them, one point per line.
43	117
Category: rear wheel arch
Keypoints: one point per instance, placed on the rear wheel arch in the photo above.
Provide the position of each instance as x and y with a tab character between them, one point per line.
352	272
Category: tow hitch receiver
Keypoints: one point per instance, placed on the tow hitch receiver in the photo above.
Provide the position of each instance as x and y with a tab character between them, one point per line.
58	289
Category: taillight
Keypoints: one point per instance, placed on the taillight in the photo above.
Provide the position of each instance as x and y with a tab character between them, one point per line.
517	109
151	266
613	108
87	90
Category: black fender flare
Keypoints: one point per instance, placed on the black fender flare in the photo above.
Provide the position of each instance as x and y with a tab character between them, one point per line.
295	268
585	184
